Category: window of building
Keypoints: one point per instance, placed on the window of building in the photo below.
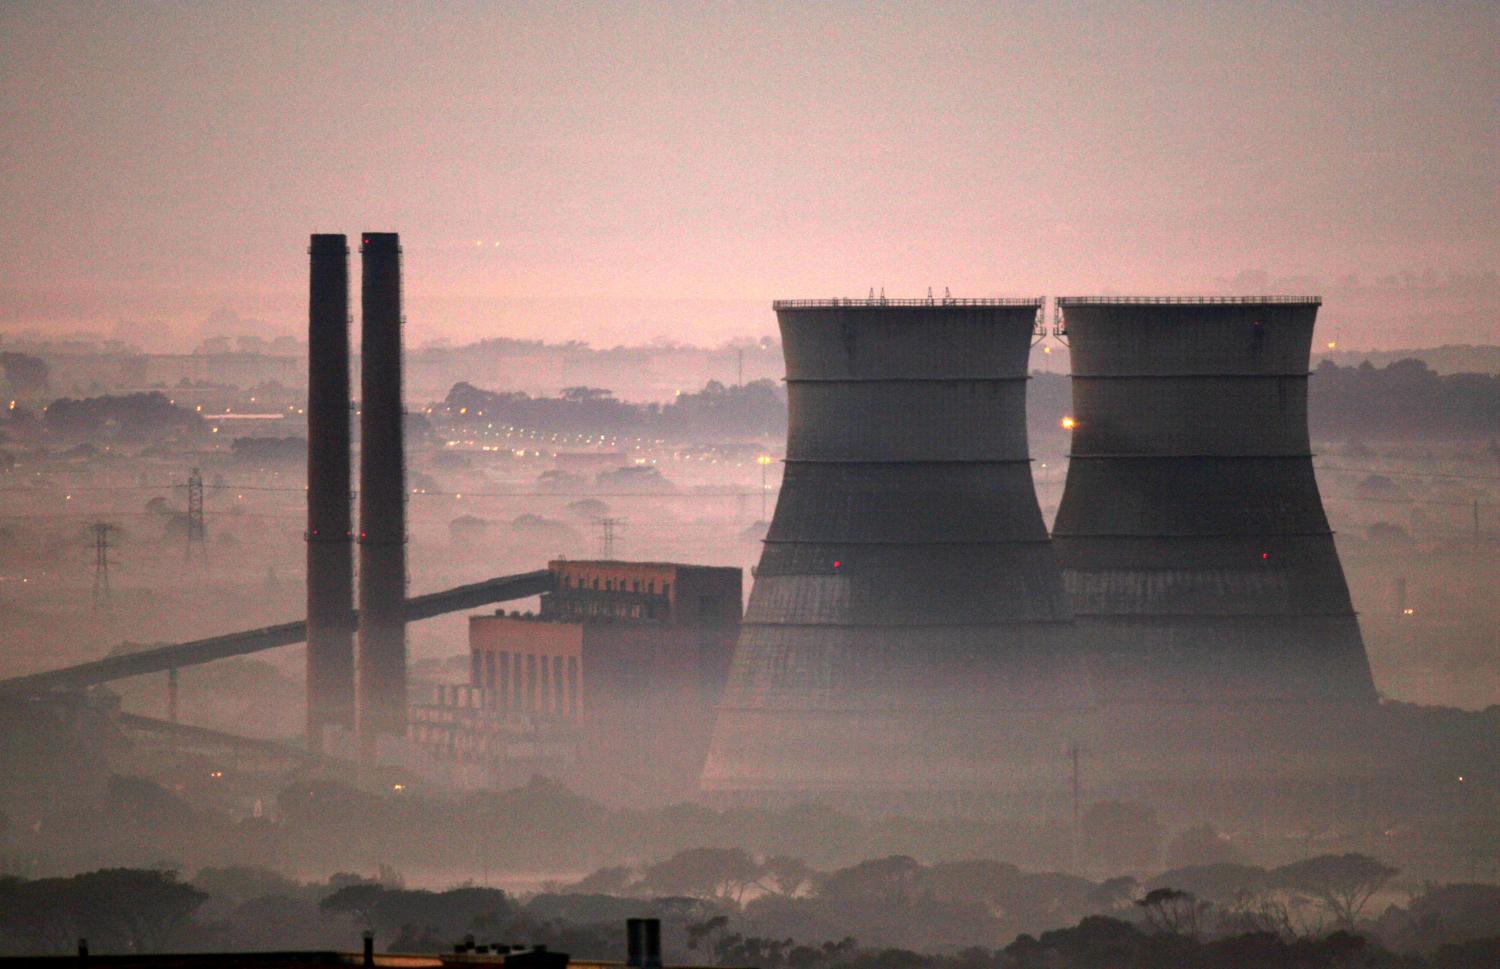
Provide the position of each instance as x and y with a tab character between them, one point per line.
557	684
544	697
573	705
504	685
529	701
474	666
488	682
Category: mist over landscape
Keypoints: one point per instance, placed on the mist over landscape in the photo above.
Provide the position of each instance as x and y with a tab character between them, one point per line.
530	571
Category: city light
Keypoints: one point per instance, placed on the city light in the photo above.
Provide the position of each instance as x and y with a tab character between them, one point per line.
1068	423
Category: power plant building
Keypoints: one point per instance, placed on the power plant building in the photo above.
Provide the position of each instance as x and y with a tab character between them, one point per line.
907	618
1194	546
611	688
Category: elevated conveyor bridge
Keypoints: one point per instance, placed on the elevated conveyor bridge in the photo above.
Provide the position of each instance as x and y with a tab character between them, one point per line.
502	589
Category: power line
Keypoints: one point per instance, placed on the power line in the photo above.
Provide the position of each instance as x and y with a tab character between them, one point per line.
196	531
102	546
607	537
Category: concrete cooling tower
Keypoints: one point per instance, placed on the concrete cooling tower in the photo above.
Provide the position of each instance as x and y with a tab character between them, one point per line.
907	614
1194	546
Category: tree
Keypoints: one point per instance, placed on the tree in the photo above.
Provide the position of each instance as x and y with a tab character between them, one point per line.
610	880
697	932
721	873
1342	883
883	881
786	875
414	917
142	908
1172	911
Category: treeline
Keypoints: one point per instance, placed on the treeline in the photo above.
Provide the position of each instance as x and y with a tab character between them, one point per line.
900	901
1406	398
133	416
240	908
755	409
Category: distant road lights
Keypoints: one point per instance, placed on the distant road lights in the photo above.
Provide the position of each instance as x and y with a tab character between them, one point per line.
1333	344
1068	423
1408	611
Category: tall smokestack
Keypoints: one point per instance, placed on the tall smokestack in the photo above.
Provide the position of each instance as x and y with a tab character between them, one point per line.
1191	533
907	622
330	554
382	497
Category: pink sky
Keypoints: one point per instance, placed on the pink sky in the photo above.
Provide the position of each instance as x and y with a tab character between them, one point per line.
621	172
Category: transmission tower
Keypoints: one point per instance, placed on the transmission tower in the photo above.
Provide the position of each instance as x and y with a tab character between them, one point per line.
607	537
196	532
102	546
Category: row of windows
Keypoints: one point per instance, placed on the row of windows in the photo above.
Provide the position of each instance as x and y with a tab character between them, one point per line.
529	682
617	610
616	585
465	746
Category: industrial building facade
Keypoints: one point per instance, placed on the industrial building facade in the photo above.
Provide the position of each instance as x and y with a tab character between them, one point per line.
611	687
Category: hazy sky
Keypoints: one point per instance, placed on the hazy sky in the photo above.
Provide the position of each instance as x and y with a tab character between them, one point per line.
623	171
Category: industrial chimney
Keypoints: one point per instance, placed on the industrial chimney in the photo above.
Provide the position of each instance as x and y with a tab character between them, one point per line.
382	497
907	611
330	554
1192	537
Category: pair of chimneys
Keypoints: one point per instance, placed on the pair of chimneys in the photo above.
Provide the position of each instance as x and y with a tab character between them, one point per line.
331	624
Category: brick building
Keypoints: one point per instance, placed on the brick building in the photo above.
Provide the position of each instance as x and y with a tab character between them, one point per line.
611	688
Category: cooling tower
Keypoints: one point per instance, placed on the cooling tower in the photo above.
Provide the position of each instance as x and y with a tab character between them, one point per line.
330	553
1194	546
907	611
382	497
